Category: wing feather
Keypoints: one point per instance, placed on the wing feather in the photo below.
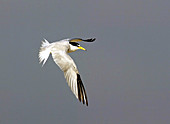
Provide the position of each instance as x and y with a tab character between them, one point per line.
67	65
85	40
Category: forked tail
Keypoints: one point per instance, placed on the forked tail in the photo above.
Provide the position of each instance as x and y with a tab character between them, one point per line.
44	51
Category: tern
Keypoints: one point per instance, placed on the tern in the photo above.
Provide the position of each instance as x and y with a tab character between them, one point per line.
59	51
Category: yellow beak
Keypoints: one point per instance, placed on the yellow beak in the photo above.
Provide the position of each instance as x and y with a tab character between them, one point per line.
81	48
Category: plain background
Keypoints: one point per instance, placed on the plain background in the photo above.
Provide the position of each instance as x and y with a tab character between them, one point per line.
126	71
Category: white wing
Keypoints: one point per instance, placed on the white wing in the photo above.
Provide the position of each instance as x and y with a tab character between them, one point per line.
67	65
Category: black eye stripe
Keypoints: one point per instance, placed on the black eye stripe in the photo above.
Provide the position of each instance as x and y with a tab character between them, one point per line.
74	43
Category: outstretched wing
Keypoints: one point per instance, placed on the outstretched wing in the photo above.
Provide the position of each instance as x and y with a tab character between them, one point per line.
79	40
67	65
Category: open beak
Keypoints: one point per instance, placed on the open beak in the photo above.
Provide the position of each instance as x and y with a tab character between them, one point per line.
82	48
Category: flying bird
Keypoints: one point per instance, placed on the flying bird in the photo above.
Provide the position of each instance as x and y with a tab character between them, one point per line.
59	51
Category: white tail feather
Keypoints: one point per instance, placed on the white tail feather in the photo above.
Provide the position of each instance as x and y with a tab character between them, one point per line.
44	51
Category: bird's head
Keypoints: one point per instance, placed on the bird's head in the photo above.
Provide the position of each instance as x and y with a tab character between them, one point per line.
75	46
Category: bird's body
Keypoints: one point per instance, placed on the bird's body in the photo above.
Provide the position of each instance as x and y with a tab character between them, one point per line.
59	52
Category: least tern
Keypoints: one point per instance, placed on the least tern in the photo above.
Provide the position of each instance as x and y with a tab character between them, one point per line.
59	52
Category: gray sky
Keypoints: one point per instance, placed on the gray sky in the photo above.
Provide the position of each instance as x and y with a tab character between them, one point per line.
126	72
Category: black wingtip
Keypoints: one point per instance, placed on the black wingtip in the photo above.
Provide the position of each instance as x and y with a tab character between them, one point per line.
81	91
90	40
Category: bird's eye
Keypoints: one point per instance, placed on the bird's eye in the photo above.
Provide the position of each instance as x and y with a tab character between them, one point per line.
74	44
